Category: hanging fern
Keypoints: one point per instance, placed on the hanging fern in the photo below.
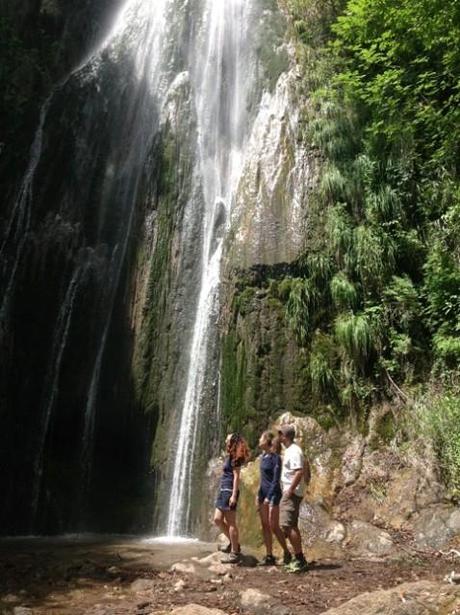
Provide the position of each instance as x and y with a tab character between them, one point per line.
343	292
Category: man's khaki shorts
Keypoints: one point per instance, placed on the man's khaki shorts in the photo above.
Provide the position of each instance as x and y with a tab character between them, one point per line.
289	511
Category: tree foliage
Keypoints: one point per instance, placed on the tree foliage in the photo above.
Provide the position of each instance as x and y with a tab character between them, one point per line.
382	269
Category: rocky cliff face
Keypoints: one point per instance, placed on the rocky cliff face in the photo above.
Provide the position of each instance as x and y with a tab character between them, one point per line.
370	497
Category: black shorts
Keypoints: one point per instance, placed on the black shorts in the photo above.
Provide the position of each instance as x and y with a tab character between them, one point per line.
223	500
274	500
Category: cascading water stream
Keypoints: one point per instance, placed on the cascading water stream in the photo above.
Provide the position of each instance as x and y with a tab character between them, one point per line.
19	222
52	381
221	88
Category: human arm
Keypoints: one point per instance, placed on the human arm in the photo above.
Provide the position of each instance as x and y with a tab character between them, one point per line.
236	486
276	477
295	482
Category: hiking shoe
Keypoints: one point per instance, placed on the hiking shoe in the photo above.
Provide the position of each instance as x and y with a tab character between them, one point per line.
287	558
231	558
268	560
296	566
225	548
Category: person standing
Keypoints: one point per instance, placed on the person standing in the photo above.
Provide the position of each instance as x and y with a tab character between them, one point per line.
292	486
269	496
227	498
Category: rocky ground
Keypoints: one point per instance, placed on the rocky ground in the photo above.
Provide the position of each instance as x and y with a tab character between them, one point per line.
119	577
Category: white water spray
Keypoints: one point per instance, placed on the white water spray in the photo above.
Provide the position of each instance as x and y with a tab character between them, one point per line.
221	84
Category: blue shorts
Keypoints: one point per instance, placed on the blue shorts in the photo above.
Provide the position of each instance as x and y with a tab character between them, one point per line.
274	500
223	500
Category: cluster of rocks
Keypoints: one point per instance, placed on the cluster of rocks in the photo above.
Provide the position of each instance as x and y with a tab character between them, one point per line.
420	598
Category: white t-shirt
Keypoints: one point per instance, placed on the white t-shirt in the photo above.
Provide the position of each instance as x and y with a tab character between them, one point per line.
293	460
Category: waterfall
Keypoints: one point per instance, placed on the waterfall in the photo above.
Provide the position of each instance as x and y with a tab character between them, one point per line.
18	226
221	86
154	125
60	338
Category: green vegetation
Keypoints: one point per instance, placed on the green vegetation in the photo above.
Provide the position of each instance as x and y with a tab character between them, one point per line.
377	302
438	416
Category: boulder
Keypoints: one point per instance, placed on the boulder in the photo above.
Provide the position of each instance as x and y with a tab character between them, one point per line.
435	526
421	598
367	541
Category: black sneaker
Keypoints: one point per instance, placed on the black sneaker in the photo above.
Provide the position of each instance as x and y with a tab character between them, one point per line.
225	548
268	560
297	566
231	558
287	558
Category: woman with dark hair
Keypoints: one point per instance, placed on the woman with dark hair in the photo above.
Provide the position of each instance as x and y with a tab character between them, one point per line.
269	497
227	499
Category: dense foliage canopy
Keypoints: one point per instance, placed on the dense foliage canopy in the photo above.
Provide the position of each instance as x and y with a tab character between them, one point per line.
378	305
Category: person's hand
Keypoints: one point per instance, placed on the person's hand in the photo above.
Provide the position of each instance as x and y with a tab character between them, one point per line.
232	501
266	501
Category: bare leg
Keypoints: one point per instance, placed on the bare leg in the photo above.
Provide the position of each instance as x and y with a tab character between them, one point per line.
220	521
295	539
233	534
274	518
264	519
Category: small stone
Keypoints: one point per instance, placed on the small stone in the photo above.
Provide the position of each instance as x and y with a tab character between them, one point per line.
22	610
10	598
140	585
143	605
218	569
196	609
184	568
180	585
113	570
453	578
212	558
253	598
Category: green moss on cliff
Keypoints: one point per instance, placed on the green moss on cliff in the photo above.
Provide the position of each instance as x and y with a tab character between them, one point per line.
147	373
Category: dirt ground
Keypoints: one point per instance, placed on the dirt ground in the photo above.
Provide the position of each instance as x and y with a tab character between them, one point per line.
95	578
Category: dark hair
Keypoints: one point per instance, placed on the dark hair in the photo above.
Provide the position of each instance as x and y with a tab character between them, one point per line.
238	450
268	435
276	446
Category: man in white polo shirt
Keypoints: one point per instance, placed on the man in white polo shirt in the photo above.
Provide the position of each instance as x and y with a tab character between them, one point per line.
292	486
